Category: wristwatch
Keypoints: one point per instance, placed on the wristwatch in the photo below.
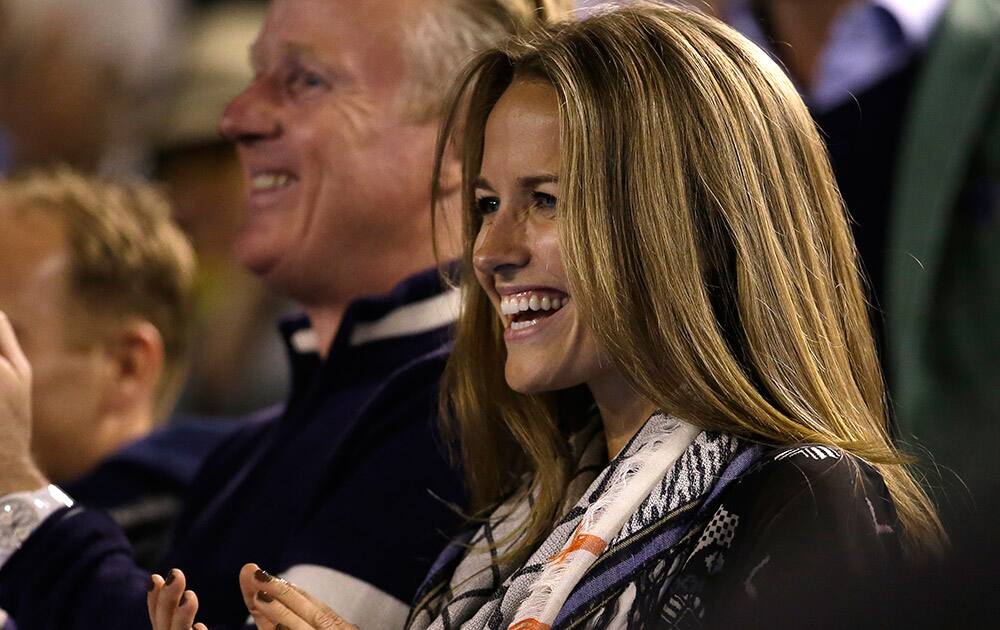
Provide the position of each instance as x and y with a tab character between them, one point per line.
22	512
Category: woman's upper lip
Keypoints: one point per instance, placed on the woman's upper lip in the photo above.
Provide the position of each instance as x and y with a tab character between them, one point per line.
514	289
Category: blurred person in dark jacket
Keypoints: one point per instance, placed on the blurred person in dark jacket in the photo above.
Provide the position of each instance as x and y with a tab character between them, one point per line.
907	93
97	281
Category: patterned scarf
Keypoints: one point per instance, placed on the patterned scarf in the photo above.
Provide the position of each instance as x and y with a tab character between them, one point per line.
665	469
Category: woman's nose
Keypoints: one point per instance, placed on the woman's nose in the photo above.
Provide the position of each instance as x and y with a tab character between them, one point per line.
501	244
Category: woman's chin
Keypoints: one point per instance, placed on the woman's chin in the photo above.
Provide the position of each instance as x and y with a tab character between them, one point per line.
528	383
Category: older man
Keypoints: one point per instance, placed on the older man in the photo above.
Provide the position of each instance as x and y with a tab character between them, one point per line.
346	489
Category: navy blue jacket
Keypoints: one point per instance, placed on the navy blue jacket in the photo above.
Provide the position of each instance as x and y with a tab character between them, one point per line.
142	486
348	486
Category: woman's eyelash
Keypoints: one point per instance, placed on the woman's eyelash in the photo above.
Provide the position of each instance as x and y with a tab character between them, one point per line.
544	200
487	205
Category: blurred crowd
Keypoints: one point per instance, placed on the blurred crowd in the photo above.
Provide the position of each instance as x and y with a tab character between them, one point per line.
134	90
119	103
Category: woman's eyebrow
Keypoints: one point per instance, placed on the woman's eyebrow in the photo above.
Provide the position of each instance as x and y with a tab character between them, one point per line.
530	181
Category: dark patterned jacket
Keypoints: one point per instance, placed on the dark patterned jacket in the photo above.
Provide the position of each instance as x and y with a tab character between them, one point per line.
799	534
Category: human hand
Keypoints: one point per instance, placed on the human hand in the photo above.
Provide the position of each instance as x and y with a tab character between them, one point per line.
18	471
277	604
170	606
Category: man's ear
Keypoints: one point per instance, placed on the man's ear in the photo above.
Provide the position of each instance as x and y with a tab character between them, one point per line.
136	355
448	214
450	181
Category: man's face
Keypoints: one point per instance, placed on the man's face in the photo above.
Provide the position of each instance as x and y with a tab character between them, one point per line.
67	378
338	180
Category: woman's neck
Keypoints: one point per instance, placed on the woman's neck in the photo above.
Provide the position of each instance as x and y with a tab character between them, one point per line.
623	410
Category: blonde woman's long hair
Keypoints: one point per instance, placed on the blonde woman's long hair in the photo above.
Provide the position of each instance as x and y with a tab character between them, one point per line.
700	219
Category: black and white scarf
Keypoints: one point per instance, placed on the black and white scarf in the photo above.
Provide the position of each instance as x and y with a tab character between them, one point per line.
657	480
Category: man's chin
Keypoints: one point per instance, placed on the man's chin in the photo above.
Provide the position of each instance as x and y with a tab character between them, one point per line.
256	259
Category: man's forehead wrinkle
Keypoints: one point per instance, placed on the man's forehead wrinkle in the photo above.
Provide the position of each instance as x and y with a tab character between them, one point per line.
300	50
289	51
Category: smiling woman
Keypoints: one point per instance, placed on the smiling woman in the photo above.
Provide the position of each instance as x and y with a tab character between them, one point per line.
659	178
663	383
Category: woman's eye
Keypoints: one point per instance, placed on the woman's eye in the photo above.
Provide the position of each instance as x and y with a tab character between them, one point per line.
544	200
487	205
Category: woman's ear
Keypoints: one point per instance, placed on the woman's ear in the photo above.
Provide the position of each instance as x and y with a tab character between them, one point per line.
136	353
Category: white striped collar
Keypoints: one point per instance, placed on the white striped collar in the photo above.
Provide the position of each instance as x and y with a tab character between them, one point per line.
411	319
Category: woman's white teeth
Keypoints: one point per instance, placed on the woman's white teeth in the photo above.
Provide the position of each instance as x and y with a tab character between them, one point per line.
269	181
513	305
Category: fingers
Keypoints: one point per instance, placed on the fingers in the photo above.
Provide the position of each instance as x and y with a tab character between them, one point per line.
187	607
152	596
273	614
10	349
168	599
170	606
251	576
284	604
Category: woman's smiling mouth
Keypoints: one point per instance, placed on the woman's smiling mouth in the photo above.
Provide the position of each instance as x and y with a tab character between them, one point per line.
525	309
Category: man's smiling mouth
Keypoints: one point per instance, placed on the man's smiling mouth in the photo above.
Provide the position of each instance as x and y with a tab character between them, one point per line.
270	180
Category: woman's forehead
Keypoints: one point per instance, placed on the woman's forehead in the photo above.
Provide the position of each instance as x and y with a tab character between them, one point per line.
522	132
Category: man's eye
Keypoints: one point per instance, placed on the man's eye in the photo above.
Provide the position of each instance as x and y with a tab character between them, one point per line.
301	80
487	205
544	200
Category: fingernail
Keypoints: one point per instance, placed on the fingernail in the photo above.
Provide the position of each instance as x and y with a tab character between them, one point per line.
150	584
262	576
264	597
183	601
170	578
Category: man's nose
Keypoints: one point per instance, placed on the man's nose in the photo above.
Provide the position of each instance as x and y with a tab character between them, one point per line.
502	244
251	116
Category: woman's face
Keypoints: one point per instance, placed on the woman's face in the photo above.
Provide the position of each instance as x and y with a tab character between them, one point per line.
516	253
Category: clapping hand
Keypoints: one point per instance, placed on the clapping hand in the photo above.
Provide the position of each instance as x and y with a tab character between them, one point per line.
277	604
170	606
18	471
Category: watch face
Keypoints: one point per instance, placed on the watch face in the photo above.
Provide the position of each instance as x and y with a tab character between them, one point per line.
18	518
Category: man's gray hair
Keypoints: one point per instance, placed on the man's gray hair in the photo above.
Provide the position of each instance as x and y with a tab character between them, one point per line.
450	32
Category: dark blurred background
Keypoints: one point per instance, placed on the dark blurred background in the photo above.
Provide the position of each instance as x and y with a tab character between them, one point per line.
134	89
